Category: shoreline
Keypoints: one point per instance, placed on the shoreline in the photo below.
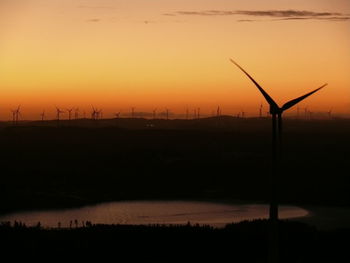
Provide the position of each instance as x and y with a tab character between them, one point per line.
321	217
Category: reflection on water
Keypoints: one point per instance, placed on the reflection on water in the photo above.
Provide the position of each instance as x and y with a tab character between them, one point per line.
153	212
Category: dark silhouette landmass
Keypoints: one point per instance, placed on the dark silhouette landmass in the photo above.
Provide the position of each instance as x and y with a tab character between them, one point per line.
84	161
241	242
50	164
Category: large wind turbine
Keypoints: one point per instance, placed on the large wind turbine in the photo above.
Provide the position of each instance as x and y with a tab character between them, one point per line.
276	113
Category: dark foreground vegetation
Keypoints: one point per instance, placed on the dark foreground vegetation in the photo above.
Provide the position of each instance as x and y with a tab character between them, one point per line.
242	242
66	164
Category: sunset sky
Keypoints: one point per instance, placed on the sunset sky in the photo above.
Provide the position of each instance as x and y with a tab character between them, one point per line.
116	54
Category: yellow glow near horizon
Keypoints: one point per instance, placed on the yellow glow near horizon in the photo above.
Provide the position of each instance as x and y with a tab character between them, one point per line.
122	54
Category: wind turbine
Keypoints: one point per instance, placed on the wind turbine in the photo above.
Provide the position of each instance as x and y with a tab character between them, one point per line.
218	112
167	113
42	115
94	113
276	113
18	112
13	117
76	113
70	113
58	113
154	113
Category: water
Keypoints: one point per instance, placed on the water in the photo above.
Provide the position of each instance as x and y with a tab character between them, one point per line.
153	212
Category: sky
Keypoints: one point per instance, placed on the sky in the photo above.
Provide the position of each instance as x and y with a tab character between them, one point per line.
173	54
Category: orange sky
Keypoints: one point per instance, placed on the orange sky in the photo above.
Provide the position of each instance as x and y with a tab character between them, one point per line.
172	53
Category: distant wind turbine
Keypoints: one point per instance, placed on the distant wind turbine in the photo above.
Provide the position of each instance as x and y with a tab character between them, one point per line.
276	113
218	112
76	113
42	115
70	113
15	114
167	113
94	113
58	113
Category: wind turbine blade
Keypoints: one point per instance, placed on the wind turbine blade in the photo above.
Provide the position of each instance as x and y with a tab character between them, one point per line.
264	93
291	103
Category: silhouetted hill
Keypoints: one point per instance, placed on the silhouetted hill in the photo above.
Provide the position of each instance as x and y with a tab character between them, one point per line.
85	161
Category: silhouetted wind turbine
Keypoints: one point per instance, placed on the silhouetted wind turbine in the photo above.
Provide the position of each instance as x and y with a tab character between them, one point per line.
76	113
218	112
70	113
13	117
154	113
18	112
94	113
167	113
58	113
276	113
260	110
42	115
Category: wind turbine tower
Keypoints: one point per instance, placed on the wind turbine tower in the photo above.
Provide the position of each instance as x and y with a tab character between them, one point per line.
276	113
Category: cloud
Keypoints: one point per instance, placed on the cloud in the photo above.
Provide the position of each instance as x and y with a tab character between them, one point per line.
246	20
286	13
279	14
93	20
96	7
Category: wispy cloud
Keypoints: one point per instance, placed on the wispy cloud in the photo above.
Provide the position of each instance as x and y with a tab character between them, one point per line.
169	14
93	20
286	13
277	14
96	7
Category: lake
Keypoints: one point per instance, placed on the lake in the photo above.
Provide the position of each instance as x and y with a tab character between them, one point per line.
153	212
